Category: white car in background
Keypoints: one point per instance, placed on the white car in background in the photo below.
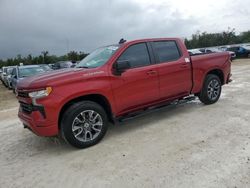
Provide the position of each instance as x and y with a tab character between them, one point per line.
194	52
6	76
4	70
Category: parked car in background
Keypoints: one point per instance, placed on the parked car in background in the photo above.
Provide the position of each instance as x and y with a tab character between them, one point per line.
1	71
194	52
7	76
51	65
223	48
246	46
239	51
216	50
4	69
46	67
21	72
62	65
75	63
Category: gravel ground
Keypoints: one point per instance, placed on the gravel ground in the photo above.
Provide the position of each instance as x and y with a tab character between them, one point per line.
189	145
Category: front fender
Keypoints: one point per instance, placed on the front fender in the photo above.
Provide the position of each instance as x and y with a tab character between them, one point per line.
80	90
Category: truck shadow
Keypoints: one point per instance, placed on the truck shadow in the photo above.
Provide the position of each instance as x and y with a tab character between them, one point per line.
151	118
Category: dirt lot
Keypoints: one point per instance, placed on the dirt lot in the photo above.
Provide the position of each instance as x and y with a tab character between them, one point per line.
189	145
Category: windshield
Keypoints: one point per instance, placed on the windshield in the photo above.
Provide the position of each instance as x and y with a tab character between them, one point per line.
9	70
98	57
26	72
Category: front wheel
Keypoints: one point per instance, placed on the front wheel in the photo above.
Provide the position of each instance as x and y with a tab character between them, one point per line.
211	89
84	124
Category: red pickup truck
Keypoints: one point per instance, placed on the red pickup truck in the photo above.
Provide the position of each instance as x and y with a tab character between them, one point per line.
115	82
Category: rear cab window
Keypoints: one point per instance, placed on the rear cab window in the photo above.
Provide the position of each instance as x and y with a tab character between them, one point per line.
166	51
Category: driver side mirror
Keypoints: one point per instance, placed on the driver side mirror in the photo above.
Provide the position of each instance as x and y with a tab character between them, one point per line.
121	66
4	73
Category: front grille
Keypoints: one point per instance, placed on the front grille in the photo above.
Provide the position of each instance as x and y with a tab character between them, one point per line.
26	108
22	94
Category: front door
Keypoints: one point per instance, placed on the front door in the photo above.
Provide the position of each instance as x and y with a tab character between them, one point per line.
138	85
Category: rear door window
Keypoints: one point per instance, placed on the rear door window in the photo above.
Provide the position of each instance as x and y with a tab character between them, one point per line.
166	51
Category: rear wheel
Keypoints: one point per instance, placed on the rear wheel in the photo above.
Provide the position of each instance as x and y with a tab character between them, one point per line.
211	89
84	124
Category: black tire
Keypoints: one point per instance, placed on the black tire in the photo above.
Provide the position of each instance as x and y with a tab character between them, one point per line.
208	95
70	116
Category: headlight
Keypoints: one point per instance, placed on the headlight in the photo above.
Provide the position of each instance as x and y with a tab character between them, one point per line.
41	93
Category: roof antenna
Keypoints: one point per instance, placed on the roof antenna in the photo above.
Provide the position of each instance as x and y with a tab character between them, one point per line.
122	41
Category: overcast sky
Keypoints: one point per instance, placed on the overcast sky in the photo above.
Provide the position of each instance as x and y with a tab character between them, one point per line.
32	26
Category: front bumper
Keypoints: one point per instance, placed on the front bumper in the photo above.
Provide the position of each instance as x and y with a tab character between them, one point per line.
40	128
229	79
42	119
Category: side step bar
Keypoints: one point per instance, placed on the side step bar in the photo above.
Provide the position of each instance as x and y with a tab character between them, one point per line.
154	108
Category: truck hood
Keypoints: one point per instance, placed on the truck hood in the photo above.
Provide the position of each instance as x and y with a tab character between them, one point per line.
51	78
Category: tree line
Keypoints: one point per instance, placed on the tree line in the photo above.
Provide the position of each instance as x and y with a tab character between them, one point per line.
198	40
43	58
204	39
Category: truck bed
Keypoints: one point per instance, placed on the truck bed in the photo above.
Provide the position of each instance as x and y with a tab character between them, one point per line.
200	64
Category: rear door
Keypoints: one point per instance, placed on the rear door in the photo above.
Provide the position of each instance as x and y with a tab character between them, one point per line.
138	85
174	69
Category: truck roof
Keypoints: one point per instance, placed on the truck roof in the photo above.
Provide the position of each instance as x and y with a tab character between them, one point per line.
152	39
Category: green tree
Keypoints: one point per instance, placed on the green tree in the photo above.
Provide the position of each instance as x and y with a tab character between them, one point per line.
73	56
245	36
204	39
82	55
45	54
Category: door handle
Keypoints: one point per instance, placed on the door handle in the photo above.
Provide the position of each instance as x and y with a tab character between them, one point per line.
152	72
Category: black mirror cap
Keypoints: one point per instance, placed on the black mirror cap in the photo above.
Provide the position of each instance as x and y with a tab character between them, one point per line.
121	66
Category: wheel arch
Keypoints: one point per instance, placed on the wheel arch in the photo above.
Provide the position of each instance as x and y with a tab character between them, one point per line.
217	72
98	98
